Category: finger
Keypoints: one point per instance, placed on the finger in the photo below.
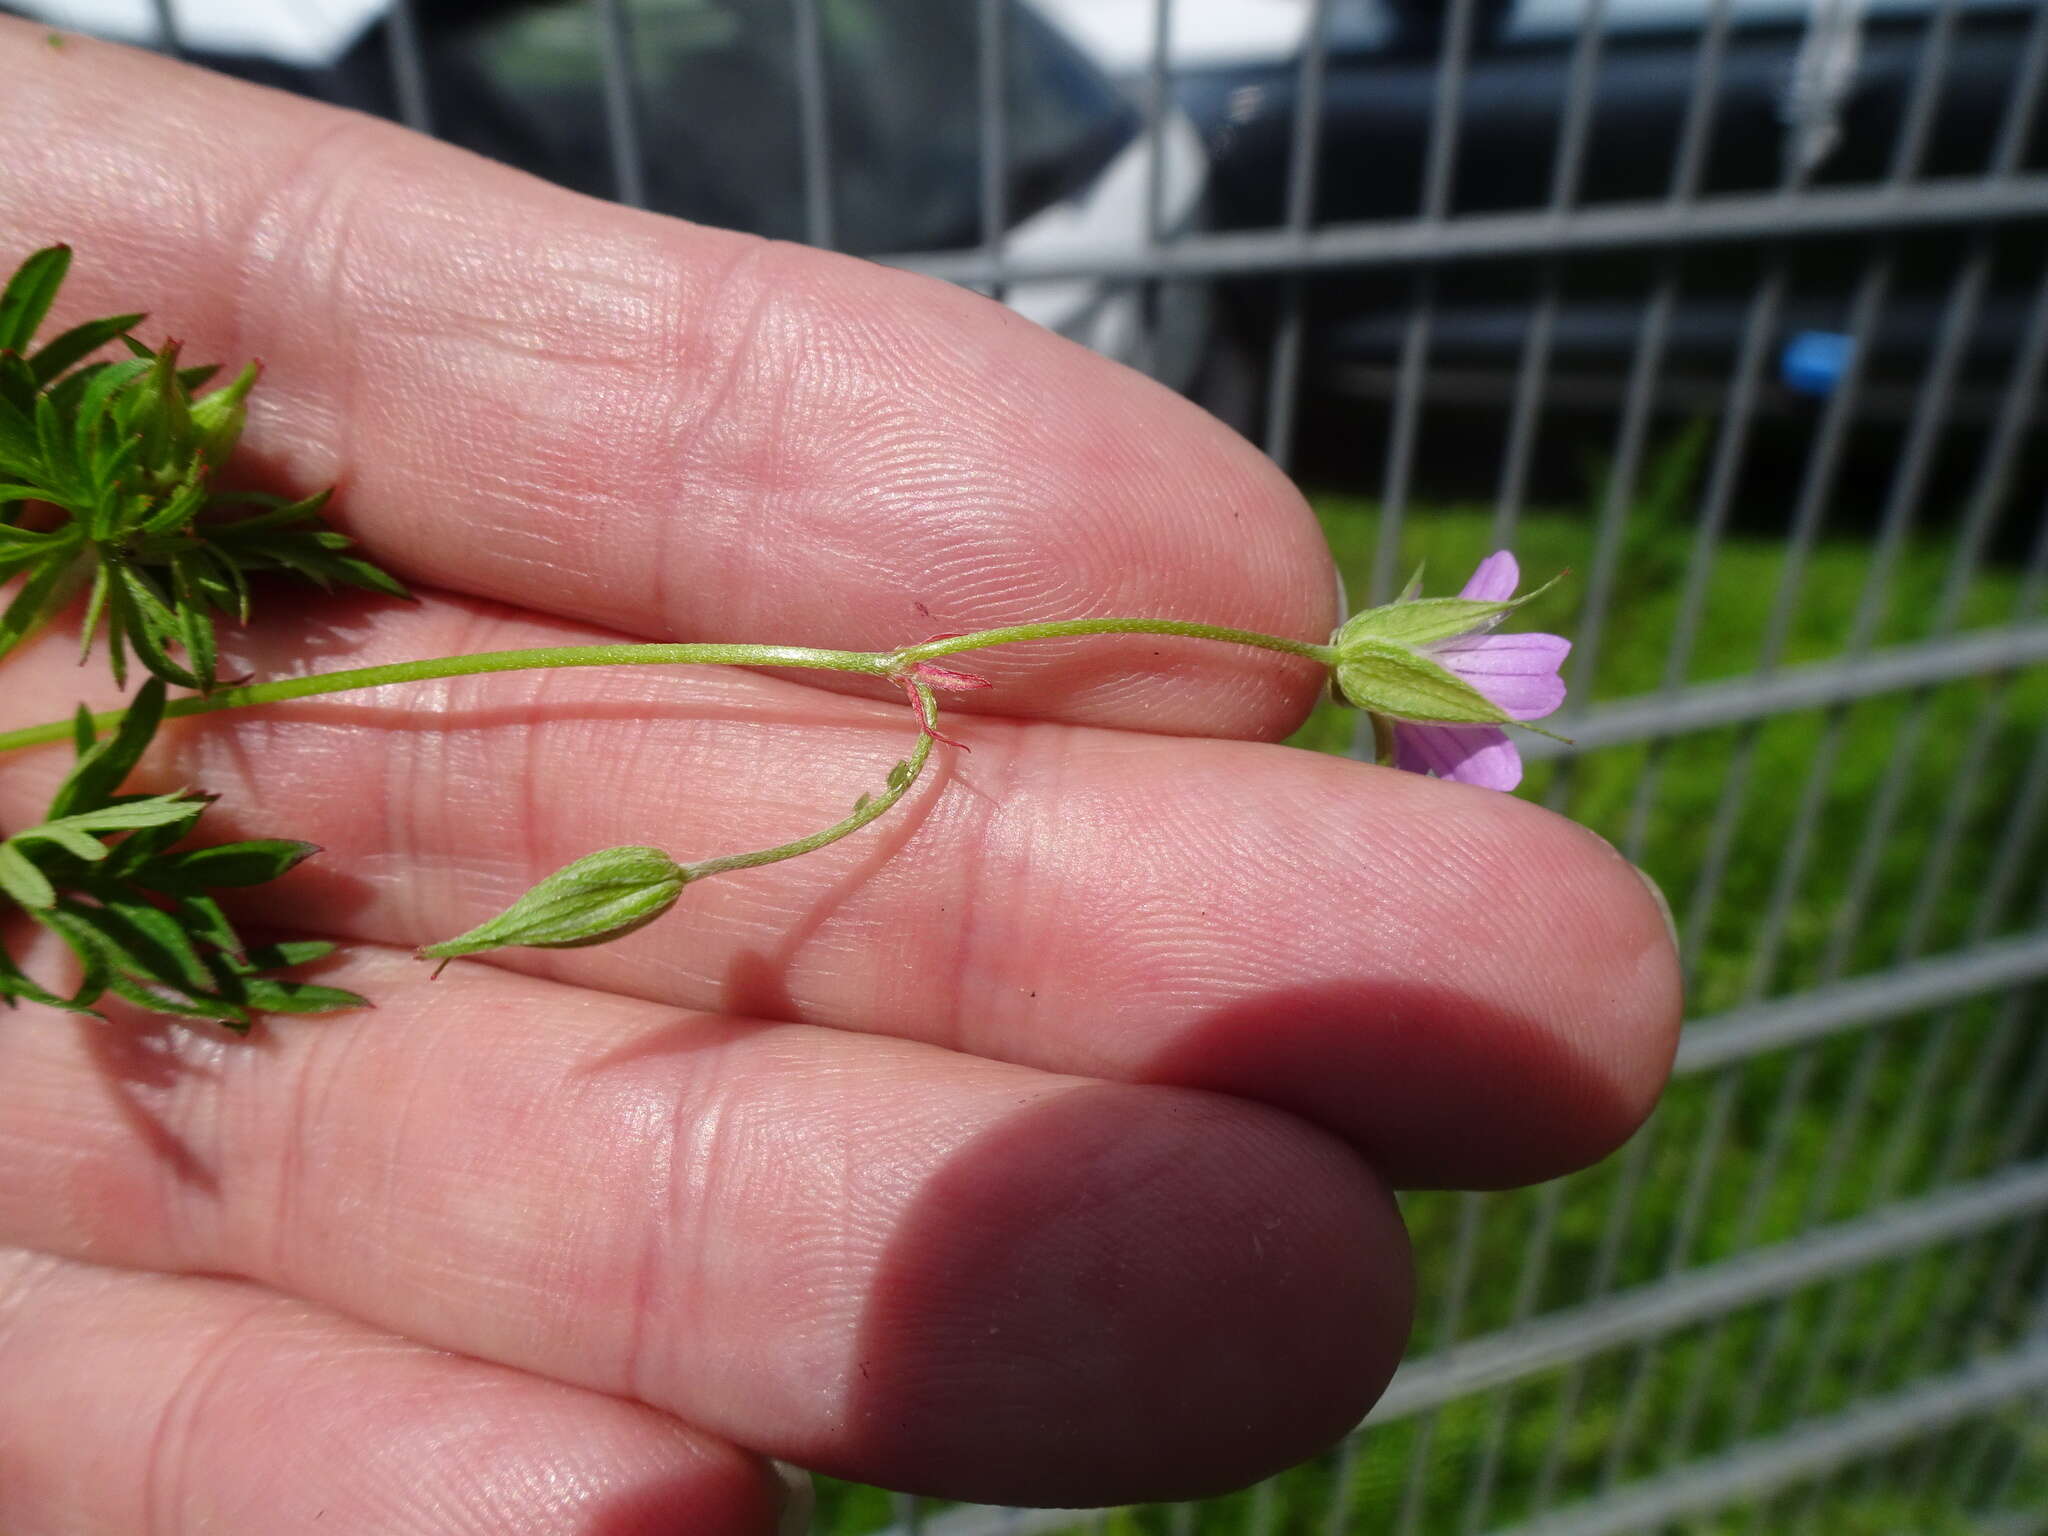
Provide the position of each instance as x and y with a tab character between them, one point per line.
135	1402
869	1257
668	430
1473	991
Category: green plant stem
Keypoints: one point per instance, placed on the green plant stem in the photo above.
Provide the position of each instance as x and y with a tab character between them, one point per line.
867	809
1061	628
866	663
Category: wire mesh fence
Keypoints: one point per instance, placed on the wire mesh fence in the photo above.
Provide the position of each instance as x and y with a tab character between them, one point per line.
1738	308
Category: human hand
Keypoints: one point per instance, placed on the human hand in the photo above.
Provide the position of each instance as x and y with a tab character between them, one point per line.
1033	1146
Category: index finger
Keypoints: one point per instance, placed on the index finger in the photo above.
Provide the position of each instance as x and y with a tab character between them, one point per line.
674	431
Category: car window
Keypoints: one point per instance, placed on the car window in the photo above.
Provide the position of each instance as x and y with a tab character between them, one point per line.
718	91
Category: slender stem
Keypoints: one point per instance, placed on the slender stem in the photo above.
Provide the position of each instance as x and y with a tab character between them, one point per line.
1060	628
865	810
868	663
283	690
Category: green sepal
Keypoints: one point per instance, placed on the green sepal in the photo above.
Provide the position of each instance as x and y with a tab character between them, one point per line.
1419	621
217	417
601	896
1388	678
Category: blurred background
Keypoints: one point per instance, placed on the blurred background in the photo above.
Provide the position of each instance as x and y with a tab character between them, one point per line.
1739	309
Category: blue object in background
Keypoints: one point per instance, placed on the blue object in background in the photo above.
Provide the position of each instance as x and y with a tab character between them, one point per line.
1815	361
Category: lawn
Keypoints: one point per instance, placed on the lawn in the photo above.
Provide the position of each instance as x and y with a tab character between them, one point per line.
1916	840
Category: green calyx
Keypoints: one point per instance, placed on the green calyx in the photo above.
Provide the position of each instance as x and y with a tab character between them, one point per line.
1380	662
1385	677
603	895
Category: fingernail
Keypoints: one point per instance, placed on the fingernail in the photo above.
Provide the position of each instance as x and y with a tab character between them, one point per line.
799	1500
1663	903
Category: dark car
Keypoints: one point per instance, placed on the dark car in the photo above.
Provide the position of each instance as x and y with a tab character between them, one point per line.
715	93
1381	88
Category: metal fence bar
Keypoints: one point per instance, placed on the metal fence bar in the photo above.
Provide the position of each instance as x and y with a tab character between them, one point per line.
1986	501
1862	1002
1472	1209
1737	701
992	115
1528	1290
815	126
1816	485
1438	167
169	39
1933	202
408	67
1759	327
1994	470
1751	1470
1303	165
2030	77
1901	505
621	107
1621	1206
1707	1291
1566	167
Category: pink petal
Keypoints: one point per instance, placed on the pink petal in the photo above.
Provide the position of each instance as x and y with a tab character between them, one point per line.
1469	754
1495	580
1517	672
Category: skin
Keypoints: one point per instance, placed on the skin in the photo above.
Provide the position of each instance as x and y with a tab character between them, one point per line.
1034	1145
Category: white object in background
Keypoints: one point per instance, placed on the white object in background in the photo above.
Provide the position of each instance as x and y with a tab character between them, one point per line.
1118	34
308	33
1822	77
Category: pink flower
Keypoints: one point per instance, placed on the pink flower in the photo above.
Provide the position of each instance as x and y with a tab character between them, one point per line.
1517	673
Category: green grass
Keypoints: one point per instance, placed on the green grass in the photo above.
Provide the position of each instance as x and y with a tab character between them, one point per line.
1935	1105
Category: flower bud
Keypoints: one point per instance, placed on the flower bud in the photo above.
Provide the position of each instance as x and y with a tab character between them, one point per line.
217	417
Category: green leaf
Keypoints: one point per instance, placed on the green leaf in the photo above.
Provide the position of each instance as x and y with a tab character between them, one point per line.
61	351
102	382
17	383
28	295
99	771
19	456
286	952
195	625
39	598
60	462
1387	678
237	864
271	994
600	896
128	816
145	619
22	880
15	983
75	841
208	924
